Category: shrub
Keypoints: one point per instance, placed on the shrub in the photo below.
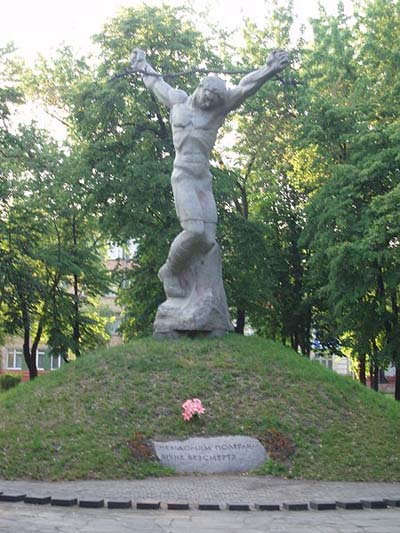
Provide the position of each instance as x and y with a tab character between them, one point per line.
8	381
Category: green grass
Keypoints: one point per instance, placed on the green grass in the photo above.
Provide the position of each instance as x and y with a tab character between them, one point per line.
76	423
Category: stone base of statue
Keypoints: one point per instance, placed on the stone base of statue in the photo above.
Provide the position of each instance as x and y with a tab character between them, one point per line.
203	310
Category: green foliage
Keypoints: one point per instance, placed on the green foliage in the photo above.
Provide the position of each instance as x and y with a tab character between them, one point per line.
268	196
52	267
8	381
354	260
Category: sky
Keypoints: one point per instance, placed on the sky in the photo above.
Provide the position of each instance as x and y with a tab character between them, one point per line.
40	26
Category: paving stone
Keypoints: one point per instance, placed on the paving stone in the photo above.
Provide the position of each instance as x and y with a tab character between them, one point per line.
64	502
268	506
349	505
38	500
238	507
12	497
323	506
127	504
374	504
178	506
91	504
209	507
392	502
148	504
295	506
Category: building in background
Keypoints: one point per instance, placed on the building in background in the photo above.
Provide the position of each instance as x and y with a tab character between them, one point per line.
119	259
12	359
341	365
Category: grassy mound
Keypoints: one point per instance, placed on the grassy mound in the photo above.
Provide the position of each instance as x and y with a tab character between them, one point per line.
79	422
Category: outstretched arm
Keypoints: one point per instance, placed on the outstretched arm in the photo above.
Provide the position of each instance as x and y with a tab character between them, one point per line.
249	85
164	92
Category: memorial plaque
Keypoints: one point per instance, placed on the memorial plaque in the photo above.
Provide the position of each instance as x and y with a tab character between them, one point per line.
211	455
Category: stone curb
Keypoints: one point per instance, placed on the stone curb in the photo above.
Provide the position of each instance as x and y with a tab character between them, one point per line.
64	502
96	503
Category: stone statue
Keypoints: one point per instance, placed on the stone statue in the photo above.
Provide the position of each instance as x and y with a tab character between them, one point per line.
192	274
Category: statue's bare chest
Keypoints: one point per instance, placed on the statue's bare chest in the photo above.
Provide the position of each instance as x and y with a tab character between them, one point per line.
185	117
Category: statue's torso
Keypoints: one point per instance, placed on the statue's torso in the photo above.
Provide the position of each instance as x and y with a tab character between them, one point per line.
194	131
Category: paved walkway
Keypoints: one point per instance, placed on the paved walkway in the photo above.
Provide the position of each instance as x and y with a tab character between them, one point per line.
25	518
21	518
221	489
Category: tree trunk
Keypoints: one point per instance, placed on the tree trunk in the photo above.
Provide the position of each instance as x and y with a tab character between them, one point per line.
305	344
396	362
29	356
38	336
361	370
76	326
242	207
397	383
375	376
240	321
295	340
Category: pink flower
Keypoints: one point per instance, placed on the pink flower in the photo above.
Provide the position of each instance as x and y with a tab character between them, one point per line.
191	408
197	406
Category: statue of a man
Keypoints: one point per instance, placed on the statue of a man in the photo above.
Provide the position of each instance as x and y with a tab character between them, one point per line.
195	120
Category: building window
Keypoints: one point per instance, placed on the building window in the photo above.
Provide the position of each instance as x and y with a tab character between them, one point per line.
40	360
14	359
55	362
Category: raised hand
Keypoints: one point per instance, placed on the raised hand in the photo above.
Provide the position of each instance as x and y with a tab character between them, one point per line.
278	60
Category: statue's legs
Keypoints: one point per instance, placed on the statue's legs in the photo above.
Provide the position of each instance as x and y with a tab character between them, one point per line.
197	236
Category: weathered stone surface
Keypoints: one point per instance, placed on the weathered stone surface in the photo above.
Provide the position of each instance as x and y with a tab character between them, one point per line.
64	502
38	500
178	506
392	502
374	504
209	507
148	504
211	455
349	504
119	504
323	506
91	504
268	506
238	507
297	506
204	308
12	497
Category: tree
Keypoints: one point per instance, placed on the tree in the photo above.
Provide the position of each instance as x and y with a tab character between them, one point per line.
267	195
52	257
52	267
352	260
18	277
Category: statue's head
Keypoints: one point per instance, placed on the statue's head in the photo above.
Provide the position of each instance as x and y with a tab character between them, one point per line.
210	93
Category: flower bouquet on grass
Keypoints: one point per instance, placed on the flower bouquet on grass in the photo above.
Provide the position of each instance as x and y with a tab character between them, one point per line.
192	408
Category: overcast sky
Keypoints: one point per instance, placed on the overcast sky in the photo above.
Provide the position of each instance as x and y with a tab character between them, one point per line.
41	25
